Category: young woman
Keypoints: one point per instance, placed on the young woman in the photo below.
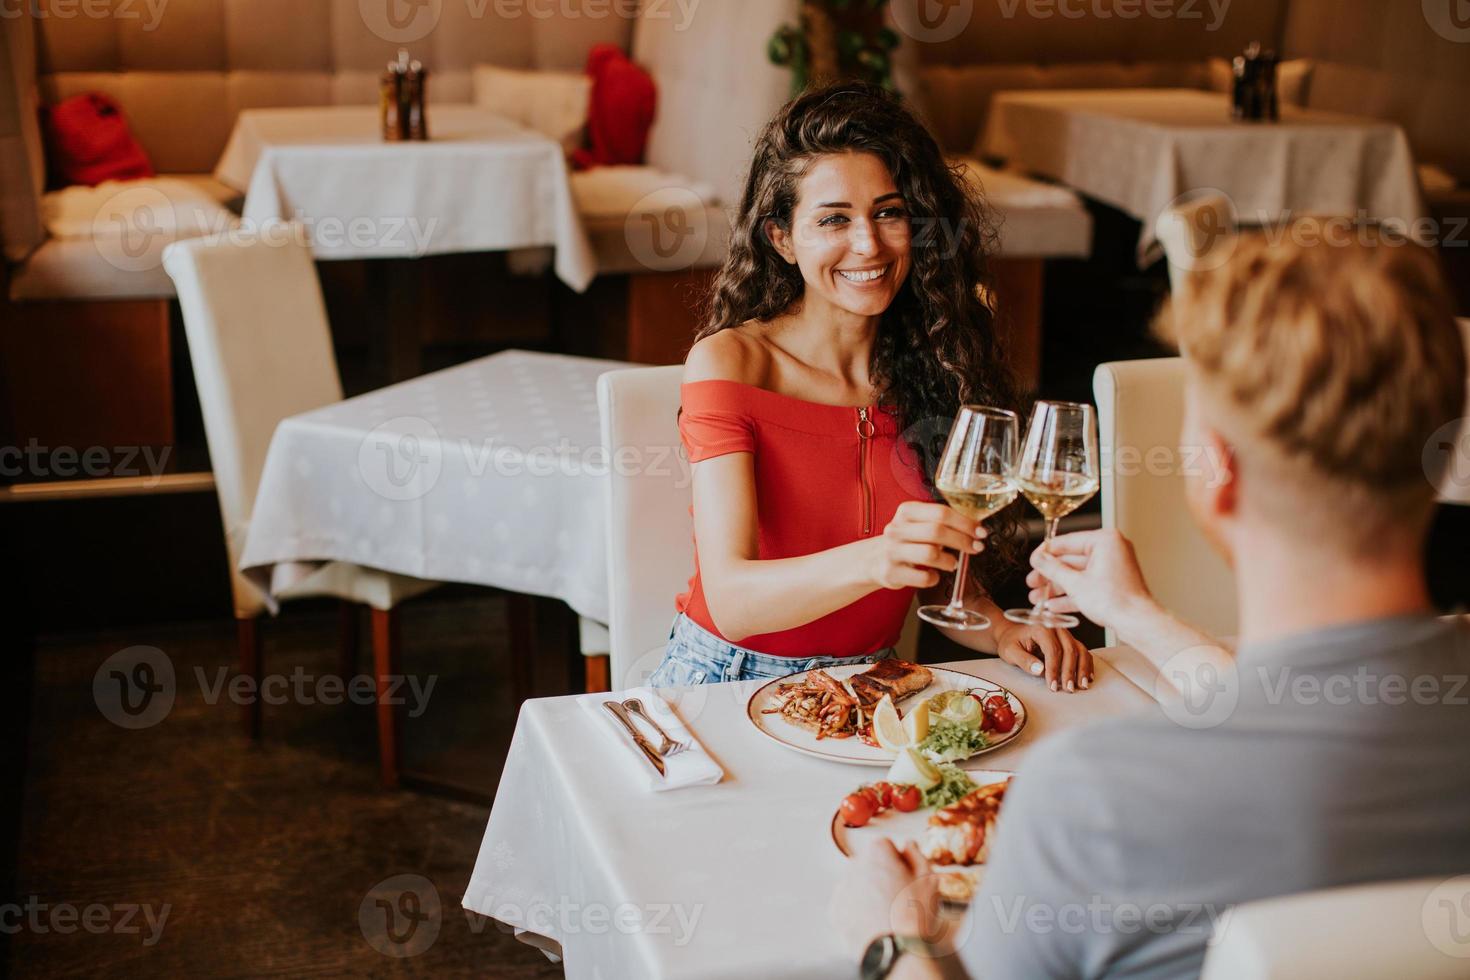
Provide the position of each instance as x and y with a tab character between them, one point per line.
846	328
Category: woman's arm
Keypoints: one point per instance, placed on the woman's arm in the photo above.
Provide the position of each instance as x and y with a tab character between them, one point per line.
1055	655
748	596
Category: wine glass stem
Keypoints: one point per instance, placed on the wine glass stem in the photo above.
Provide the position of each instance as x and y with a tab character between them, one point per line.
957	597
1051	532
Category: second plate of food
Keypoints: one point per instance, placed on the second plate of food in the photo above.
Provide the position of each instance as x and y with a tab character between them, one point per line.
827	713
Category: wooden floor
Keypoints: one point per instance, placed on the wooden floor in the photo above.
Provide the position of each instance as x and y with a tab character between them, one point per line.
263	854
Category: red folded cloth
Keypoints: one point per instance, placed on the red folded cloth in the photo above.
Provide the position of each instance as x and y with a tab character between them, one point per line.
620	115
88	141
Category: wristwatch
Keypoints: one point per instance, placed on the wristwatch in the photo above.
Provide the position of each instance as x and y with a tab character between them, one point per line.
884	952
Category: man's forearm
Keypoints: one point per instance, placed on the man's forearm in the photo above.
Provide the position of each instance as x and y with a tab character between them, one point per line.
1165	640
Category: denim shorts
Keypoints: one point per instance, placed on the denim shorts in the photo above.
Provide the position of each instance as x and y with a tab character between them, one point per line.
697	656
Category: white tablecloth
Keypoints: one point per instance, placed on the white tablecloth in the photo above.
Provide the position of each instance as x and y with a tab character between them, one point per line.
481	183
1140	149
725	881
488	473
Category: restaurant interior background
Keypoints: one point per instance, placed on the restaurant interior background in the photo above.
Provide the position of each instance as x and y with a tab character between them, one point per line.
266	847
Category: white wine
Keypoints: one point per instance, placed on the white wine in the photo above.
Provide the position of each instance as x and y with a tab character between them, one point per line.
979	496
1060	495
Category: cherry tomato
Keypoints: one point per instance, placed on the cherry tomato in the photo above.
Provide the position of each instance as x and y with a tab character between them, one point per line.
906	799
998	708
885	794
871	795
857	810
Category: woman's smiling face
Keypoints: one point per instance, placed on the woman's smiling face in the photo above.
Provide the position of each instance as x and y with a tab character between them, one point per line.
850	233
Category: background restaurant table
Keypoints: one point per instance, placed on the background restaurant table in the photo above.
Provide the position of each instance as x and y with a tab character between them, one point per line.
486	473
481	183
573	837
1139	149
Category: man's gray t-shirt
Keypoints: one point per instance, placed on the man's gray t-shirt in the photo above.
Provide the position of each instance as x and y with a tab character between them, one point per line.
1346	759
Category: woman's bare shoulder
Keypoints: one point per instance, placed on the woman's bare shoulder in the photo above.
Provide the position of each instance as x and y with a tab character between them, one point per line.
733	354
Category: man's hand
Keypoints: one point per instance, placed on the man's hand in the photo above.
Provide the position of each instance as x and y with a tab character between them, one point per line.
1091	572
883	891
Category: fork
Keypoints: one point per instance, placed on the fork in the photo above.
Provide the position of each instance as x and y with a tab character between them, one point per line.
668	746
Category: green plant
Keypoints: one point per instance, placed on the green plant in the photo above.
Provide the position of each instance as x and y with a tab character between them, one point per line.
836	39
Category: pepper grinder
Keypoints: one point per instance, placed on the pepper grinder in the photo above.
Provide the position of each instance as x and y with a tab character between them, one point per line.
417	122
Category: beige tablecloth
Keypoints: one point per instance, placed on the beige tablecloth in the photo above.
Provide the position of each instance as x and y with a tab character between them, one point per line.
482	183
725	881
1140	149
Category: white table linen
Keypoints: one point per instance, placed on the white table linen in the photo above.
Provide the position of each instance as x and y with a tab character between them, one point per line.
1140	149
691	767
724	881
480	183
489	473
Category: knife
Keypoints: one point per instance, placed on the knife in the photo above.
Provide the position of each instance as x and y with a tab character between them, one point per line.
621	714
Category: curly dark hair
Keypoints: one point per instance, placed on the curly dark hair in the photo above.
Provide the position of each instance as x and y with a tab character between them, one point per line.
936	347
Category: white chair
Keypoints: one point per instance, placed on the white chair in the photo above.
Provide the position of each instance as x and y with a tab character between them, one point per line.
650	548
262	351
1140	410
1188	232
1418	928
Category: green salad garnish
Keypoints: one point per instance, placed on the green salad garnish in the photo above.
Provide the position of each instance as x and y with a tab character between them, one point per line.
954	785
950	741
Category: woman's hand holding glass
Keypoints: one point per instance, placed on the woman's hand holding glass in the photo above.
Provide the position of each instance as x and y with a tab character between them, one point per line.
919	543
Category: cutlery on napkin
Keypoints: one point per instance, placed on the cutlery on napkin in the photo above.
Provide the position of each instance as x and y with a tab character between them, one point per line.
690	767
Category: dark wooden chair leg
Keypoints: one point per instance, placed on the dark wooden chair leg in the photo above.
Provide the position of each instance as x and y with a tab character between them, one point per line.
385	668
599	673
521	611
347	641
248	633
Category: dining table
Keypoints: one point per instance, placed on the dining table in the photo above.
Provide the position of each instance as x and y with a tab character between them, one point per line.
480	183
1140	150
708	882
488	473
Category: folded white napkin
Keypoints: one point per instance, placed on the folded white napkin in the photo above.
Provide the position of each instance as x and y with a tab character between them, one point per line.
692	767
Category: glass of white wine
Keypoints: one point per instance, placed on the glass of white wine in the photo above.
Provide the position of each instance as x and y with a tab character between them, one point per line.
1058	473
974	477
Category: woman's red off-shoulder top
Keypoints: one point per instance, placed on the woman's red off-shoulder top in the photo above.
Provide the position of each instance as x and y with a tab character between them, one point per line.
825	476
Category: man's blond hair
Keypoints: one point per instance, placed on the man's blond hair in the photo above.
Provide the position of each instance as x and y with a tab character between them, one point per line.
1327	368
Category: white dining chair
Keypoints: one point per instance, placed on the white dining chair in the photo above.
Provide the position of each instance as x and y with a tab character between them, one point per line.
1140	407
1190	230
1415	928
262	351
650	546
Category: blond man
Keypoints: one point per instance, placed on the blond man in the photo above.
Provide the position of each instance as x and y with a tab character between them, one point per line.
1330	749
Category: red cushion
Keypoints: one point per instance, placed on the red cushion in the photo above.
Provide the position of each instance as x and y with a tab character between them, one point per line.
620	115
89	142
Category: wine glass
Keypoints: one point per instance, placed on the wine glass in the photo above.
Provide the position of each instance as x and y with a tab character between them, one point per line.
974	477
1058	473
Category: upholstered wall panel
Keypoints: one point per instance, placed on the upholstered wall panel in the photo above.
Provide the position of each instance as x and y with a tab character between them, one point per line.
74	43
1384	58
470	33
188	35
263	89
278	35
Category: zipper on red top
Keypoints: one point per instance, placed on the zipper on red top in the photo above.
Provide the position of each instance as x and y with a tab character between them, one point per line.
865	438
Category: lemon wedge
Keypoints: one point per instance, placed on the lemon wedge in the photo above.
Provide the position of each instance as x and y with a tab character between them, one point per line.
916	723
888	728
911	768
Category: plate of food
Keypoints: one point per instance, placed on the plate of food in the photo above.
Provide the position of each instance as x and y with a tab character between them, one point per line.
953	823
890	713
